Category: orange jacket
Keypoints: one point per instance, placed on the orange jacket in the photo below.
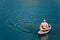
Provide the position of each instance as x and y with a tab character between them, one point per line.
44	25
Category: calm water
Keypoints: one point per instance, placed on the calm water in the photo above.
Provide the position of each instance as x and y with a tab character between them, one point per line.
20	19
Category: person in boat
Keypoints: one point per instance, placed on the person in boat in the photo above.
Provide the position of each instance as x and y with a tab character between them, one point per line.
44	26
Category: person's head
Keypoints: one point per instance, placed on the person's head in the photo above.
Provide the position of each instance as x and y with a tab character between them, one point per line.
44	20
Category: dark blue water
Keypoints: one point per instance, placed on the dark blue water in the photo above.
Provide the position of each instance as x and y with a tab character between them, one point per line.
20	19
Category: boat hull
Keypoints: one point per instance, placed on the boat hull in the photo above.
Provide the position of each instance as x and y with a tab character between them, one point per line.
45	32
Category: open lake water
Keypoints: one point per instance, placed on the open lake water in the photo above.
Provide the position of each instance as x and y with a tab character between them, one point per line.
20	19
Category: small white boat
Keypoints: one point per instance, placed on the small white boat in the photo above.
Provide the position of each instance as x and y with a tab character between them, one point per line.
45	32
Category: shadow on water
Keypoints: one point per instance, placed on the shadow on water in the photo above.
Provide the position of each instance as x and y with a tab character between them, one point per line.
43	37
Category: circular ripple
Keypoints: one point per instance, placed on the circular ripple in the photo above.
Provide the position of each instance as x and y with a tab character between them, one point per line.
24	26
